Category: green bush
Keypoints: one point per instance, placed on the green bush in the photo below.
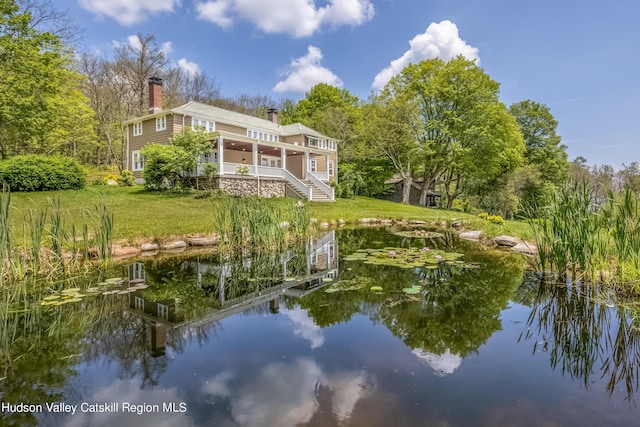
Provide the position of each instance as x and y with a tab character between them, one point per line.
126	178
483	215
42	173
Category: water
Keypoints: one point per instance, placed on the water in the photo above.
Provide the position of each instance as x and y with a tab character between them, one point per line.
260	342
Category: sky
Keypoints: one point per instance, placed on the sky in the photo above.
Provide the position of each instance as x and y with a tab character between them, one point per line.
580	58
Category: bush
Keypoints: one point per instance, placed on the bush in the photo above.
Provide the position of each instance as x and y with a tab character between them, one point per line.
42	173
496	219
483	215
126	178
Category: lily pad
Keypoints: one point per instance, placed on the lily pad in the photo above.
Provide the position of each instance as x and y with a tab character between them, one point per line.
327	279
51	297
330	290
70	290
114	280
411	291
376	288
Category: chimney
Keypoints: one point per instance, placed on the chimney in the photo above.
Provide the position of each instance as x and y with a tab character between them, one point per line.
272	115
155	95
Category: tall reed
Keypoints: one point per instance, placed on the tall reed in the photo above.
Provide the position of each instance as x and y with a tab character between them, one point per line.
582	240
258	224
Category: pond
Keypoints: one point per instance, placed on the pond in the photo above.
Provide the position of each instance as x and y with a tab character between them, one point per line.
359	327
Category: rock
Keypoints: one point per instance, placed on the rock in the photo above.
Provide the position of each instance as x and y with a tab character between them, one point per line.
367	220
458	223
342	221
149	247
324	225
473	235
178	244
283	224
386	221
313	220
112	182
528	248
506	241
118	251
149	253
203	241
416	222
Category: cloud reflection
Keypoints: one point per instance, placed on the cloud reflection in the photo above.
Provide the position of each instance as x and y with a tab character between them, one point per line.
305	327
286	395
442	364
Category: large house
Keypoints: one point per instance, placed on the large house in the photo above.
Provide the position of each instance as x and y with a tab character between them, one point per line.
254	156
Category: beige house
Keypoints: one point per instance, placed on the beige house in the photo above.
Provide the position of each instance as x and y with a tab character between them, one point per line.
254	156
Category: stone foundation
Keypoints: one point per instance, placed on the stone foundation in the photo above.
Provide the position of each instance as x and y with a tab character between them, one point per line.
238	185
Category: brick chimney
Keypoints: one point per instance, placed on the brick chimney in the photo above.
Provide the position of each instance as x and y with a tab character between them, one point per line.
155	95
272	115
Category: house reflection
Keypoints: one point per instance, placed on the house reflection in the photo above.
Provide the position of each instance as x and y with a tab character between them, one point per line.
235	286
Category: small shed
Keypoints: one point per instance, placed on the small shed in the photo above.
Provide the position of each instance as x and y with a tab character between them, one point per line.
396	185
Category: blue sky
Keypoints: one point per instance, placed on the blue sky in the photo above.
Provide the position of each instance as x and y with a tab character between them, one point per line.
580	58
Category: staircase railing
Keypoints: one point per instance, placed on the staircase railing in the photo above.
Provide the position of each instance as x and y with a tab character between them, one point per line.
297	184
327	189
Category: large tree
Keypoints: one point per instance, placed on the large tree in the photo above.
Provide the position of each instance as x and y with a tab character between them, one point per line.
462	131
39	88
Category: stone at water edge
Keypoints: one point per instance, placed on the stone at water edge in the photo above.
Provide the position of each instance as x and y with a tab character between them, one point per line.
473	235
178	244
149	247
525	248
203	241
509	241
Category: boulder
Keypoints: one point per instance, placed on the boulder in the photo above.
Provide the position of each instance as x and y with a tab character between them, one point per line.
169	246
119	252
112	182
528	248
368	220
203	241
509	241
473	235
149	247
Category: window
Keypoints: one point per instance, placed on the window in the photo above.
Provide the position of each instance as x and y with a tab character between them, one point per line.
163	311
313	142
161	123
323	143
313	165
207	125
264	162
137	129
137	161
332	145
330	168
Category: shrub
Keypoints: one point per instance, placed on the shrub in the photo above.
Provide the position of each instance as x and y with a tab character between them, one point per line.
496	219
126	178
111	177
242	170
42	173
483	215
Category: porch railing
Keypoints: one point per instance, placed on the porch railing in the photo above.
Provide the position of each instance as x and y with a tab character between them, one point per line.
321	185
297	184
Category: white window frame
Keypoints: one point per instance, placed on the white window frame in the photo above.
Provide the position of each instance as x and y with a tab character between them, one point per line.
161	123
138	303
137	129
137	160
163	311
313	165
330	168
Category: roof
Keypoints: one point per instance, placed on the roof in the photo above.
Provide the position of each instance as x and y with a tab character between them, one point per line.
397	179
217	114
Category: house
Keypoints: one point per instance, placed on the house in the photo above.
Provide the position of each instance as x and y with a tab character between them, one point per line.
254	156
396	185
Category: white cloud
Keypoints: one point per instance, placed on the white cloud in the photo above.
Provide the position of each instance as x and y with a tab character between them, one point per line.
128	12
305	72
134	42
440	40
442	364
191	68
305	327
299	18
285	395
166	48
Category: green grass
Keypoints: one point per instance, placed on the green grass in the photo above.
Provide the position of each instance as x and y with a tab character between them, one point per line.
141	215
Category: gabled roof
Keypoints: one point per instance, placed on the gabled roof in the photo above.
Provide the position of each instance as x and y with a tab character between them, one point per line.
217	114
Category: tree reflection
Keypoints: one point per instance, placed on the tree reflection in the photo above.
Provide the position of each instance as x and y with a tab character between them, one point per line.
585	336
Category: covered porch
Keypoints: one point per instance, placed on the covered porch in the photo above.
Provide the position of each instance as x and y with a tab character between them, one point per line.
298	166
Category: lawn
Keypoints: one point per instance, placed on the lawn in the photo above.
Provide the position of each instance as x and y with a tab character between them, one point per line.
141	215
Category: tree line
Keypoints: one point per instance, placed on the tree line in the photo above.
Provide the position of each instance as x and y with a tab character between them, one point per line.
438	125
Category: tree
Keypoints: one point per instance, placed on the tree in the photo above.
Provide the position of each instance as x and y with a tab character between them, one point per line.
135	63
171	166
543	147
461	130
39	89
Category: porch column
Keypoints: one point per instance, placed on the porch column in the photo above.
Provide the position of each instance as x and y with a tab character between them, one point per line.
283	158
254	149
305	169
220	156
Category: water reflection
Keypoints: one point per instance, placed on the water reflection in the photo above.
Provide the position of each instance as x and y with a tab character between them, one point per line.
257	341
585	337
